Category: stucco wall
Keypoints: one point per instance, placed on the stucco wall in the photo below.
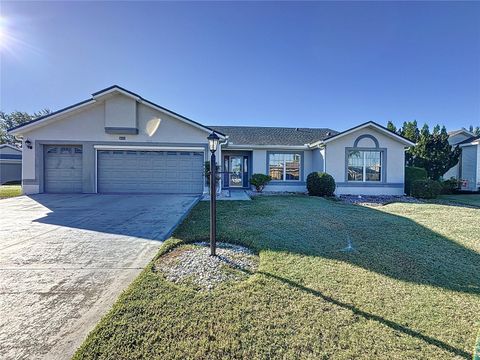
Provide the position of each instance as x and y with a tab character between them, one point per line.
317	159
394	160
87	128
120	112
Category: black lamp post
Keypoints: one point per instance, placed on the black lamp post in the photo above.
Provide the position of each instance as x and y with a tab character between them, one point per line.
213	140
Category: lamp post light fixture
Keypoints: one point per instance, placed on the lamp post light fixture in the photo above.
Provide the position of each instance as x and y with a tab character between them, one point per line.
213	140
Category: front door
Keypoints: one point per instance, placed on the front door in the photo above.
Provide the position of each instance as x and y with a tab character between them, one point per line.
236	171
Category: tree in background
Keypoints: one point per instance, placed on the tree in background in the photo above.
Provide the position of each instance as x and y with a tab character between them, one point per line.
434	153
411	132
475	131
432	150
391	126
13	119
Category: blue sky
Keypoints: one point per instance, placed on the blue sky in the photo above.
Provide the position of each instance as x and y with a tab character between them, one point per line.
322	64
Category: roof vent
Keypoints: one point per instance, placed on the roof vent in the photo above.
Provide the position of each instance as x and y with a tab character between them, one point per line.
328	133
296	129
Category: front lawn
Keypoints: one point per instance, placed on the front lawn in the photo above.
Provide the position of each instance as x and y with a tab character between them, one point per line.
466	199
410	289
7	191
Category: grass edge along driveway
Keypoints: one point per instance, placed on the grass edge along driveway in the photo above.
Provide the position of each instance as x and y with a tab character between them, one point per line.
7	191
409	290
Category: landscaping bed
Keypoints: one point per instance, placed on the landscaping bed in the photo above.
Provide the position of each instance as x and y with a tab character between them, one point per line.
377	200
192	265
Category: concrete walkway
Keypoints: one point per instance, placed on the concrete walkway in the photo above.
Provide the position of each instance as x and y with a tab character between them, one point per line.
64	259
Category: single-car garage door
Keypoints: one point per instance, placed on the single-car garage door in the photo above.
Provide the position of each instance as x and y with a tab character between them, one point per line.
133	171
63	169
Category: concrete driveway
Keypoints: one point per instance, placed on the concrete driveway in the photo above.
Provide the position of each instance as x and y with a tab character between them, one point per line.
64	259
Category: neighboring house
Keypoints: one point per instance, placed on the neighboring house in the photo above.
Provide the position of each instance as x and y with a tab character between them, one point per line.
468	168
118	142
470	164
10	164
454	138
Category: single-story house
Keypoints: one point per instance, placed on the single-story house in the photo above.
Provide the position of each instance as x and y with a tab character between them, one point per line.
119	142
10	164
468	168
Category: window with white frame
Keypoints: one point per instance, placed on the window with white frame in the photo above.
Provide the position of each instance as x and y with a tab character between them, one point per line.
284	166
364	165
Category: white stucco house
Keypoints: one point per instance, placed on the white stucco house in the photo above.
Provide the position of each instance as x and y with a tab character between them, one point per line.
10	164
468	168
119	142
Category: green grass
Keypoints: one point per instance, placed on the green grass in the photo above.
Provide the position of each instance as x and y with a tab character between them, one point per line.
410	290
7	191
466	199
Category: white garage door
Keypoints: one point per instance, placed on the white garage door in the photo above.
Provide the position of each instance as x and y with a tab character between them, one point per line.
63	169
133	171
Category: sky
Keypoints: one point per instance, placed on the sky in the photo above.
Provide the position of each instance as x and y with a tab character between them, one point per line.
302	64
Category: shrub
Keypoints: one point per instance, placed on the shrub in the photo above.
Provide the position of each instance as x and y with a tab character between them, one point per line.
450	186
259	181
320	184
426	189
413	173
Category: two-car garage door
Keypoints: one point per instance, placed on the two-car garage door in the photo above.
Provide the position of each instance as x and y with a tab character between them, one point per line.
125	171
135	171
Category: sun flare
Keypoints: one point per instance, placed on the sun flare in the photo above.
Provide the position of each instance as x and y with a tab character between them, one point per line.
12	35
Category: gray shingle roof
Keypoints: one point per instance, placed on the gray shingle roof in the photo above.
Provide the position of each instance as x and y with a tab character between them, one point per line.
256	135
469	140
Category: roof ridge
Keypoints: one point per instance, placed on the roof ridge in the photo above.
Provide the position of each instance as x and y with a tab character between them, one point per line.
272	127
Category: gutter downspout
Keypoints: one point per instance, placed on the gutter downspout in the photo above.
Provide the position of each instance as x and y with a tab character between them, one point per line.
220	160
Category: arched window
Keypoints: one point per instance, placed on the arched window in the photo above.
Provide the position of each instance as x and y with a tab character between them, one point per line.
365	164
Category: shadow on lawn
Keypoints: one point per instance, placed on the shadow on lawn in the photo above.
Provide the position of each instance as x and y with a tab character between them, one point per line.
384	243
368	316
388	244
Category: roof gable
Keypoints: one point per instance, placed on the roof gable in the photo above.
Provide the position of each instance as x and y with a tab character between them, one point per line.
98	96
373	125
460	131
2	146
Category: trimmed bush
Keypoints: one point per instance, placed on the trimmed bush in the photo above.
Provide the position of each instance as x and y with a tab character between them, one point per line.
450	186
320	184
259	181
426	189
413	173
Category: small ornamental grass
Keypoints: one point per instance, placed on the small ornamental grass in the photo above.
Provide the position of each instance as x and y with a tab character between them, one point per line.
259	181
